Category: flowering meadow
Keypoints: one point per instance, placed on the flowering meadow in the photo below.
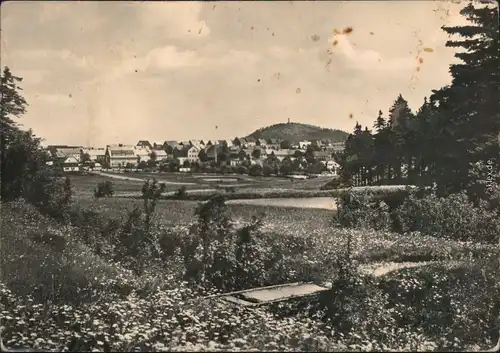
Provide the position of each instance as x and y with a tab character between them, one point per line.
99	281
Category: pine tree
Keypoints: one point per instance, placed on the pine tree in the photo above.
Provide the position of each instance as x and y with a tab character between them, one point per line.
380	148
380	123
400	117
13	104
469	109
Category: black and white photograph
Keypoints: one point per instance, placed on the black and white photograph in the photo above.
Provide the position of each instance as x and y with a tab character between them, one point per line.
250	176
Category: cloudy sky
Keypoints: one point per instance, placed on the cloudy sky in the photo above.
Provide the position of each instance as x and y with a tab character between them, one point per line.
109	72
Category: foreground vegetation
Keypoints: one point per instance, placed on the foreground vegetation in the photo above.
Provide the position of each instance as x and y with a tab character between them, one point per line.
77	279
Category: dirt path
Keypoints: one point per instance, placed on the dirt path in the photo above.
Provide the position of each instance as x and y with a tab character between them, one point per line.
383	268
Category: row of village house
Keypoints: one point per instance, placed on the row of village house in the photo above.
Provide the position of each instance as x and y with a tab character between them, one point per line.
118	156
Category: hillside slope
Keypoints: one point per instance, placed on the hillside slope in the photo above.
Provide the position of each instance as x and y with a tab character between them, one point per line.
296	132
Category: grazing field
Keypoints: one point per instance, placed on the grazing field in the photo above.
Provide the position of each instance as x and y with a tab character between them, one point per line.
308	223
84	185
200	185
208	180
409	284
174	212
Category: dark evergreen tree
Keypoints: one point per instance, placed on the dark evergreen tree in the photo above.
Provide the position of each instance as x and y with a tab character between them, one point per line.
469	109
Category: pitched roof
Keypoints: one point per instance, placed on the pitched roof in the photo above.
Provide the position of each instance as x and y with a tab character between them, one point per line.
142	151
143	143
160	153
70	160
59	154
158	144
94	152
183	152
250	139
324	154
121	151
68	150
281	153
247	150
62	146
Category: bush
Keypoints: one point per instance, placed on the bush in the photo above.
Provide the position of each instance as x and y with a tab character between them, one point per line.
255	170
355	304
241	169
220	253
49	194
452	304
104	189
267	170
44	259
453	217
180	194
358	210
335	183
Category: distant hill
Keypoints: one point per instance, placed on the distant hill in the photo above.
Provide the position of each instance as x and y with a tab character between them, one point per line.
296	132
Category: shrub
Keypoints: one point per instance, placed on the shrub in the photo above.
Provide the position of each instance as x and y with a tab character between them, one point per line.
255	170
453	217
151	193
359	210
51	195
180	194
104	189
43	258
452	304
355	304
241	169
267	170
132	233
335	183
207	250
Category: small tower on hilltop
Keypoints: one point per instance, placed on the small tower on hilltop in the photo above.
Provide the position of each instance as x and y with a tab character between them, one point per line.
288	120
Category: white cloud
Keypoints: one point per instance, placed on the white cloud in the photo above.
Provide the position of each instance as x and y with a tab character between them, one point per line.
59	99
368	59
65	55
32	77
176	19
280	52
169	57
52	11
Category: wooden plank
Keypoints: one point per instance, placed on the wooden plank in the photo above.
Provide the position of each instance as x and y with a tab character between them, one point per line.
250	290
235	300
270	294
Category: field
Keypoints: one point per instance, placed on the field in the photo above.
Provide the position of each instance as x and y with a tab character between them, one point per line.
422	292
290	221
200	187
84	184
173	212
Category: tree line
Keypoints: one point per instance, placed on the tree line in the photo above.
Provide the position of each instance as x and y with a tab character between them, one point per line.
451	142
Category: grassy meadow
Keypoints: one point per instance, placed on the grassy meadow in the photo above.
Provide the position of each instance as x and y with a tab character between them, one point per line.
77	278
